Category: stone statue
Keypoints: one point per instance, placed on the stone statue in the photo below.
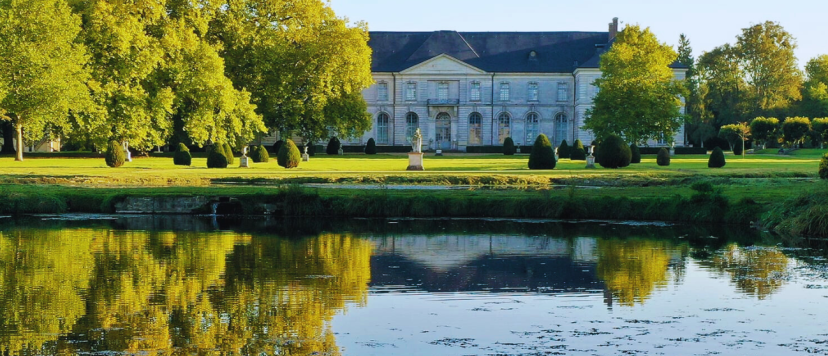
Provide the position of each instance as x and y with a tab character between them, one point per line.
417	141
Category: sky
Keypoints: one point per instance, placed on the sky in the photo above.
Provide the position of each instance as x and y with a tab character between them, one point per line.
707	23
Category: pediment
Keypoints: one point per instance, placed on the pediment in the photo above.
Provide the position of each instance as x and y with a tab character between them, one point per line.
443	64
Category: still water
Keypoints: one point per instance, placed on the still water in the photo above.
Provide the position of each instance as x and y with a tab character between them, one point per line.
187	285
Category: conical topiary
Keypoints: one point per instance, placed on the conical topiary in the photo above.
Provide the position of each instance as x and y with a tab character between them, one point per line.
115	156
277	146
613	152
542	156
663	158
823	167
333	146
577	152
636	154
258	154
182	156
717	158
563	150
216	157
508	146
371	147
289	156
228	152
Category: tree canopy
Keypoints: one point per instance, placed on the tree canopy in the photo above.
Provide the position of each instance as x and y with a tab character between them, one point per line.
638	97
815	92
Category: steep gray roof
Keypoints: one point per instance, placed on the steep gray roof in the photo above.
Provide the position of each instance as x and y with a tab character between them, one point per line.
503	52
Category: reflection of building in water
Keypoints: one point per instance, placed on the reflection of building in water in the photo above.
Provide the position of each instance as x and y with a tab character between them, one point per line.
485	263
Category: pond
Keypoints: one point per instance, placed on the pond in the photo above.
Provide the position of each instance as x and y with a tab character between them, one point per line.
83	284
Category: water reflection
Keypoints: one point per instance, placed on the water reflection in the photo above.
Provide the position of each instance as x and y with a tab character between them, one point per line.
136	285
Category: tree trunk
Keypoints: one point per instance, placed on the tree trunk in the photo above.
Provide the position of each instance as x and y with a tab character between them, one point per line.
8	137
19	128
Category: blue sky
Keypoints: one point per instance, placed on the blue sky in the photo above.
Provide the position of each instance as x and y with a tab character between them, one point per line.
708	23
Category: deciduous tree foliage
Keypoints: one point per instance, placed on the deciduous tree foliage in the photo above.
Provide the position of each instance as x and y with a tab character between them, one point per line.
721	87
815	91
304	67
820	128
795	129
736	134
638	98
764	130
42	75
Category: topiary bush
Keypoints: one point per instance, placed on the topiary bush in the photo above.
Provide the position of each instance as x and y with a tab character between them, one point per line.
542	156
311	149
563	150
333	146
636	154
737	149
277	146
823	167
613	152
259	154
216	157
371	147
717	159
289	156
663	158
577	152
228	153
509	146
182	156
115	156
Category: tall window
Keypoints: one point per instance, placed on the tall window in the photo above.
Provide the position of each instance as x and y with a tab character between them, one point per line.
475	129
531	128
442	91
662	139
563	92
412	122
475	91
533	95
382	128
382	92
561	128
505	90
411	91
504	127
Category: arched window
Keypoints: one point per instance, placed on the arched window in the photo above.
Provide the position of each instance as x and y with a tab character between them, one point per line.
532	128
475	129
382	128
412	122
504	127
561	128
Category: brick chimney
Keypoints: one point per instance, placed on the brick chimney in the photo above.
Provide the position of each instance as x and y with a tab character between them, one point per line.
613	29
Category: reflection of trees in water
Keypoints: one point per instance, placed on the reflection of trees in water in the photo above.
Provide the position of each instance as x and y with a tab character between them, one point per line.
633	268
756	271
175	292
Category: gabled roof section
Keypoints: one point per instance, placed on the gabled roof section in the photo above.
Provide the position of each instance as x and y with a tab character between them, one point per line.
444	64
503	52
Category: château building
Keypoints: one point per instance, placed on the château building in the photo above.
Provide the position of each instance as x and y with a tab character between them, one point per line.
473	89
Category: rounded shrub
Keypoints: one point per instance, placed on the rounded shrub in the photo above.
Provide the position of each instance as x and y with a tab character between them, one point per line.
823	167
289	156
277	146
182	156
613	152
259	154
636	154
115	156
542	156
717	158
577	152
509	146
333	146
371	147
228	153
216	157
563	150
663	158
737	149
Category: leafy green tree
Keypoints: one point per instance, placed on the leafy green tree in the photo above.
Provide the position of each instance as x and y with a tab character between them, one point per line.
736	134
722	87
820	128
815	91
764	129
542	156
823	167
638	98
766	54
795	129
42	77
691	85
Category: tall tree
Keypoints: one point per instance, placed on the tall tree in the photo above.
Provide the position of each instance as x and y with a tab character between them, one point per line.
42	76
766	54
721	87
815	93
638	97
691	83
295	58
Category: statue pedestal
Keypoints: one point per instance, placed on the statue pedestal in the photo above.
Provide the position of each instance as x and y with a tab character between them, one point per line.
415	161
128	155
305	157
590	162
243	162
